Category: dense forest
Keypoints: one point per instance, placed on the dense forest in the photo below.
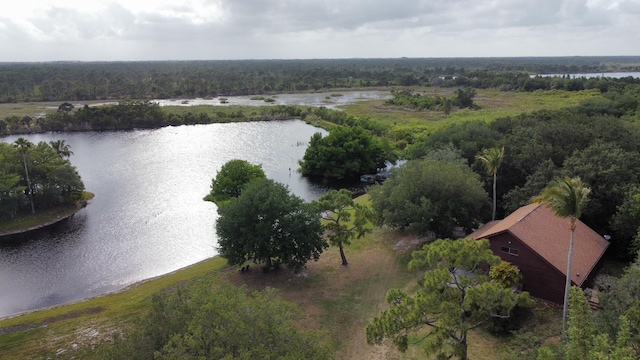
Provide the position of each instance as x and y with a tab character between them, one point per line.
77	81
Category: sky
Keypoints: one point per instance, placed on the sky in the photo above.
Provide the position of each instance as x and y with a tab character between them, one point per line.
133	30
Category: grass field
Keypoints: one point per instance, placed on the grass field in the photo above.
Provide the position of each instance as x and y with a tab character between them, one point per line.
494	104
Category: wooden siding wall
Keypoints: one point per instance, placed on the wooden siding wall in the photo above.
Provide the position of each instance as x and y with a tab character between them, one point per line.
540	279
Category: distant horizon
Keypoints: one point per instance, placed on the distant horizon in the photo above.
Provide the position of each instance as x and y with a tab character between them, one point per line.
334	58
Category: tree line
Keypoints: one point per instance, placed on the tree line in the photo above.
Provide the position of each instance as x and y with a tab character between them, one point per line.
79	81
129	115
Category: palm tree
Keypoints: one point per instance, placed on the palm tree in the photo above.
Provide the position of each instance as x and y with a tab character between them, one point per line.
492	159
61	148
567	198
23	145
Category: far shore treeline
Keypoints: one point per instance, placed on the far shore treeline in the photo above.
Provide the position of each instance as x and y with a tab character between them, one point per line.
83	81
129	115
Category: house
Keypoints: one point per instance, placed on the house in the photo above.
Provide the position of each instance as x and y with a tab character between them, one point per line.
535	240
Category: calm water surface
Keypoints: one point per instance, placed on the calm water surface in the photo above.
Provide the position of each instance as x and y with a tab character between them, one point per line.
326	99
148	217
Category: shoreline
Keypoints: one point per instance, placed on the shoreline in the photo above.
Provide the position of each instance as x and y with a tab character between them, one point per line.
79	206
112	292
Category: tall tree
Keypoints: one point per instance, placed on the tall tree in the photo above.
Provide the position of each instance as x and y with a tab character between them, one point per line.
492	159
62	149
337	209
23	145
455	296
266	224
567	198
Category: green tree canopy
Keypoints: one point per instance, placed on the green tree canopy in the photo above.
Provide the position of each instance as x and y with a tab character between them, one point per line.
52	181
346	153
203	321
610	171
586	341
61	148
338	208
12	194
429	195
455	295
620	296
626	225
464	98
233	176
268	224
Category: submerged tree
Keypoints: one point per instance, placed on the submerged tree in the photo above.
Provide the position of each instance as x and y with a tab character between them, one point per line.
567	198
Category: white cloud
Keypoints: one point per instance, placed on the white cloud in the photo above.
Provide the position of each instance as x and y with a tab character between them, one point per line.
227	29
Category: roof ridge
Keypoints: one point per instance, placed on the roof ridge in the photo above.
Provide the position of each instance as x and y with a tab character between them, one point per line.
529	213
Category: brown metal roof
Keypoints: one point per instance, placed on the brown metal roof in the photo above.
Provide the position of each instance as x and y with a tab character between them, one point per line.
549	236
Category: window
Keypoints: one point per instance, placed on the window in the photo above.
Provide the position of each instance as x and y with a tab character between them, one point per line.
509	251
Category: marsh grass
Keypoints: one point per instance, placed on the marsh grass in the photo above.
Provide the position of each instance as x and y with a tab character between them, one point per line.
494	104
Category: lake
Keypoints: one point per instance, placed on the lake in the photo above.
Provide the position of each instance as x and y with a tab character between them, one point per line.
616	75
148	217
326	99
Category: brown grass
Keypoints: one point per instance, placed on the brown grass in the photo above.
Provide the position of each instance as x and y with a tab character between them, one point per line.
341	299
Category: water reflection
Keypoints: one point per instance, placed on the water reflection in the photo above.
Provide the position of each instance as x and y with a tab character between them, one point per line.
148	217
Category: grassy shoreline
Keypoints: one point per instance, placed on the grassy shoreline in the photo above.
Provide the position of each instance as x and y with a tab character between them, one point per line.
24	223
42	333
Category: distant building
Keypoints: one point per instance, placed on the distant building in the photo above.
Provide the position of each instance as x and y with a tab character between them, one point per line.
535	240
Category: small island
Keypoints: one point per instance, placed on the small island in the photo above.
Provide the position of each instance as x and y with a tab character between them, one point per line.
38	186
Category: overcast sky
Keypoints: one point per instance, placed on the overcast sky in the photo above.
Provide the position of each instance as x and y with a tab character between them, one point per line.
105	30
